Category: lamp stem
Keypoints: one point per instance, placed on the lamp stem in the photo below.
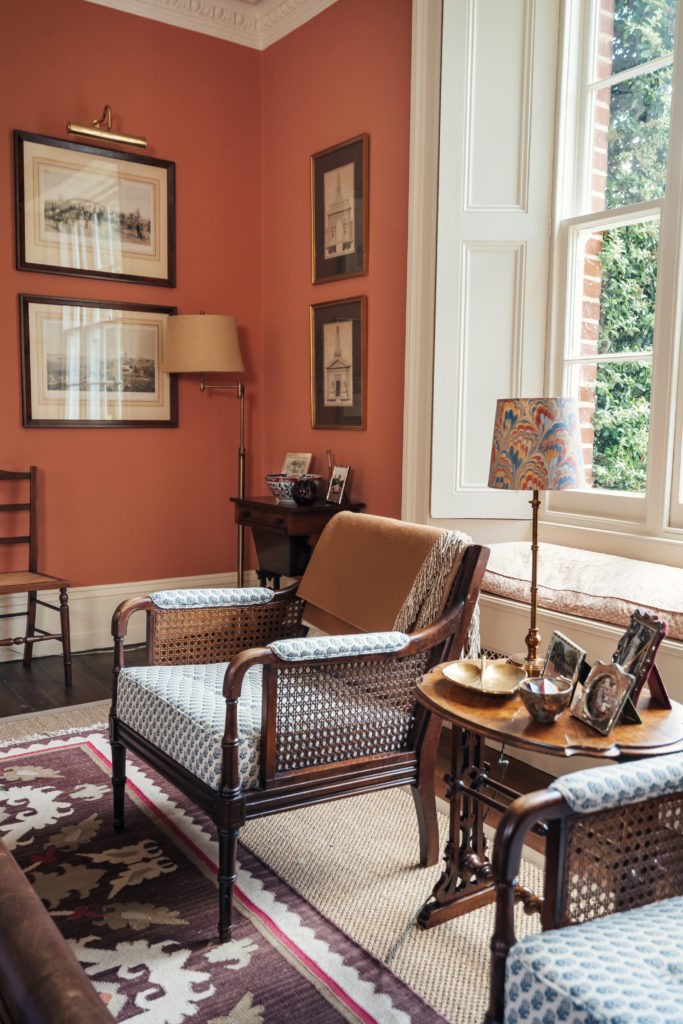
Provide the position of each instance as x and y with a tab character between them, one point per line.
533	637
241	467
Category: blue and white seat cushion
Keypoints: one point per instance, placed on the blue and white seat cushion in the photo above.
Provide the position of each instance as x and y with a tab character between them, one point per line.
212	597
181	709
623	969
600	789
314	648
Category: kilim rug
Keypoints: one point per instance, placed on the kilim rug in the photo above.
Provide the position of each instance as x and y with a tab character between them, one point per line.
139	908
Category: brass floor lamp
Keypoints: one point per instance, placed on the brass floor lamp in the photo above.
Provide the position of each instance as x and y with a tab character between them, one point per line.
536	447
204	344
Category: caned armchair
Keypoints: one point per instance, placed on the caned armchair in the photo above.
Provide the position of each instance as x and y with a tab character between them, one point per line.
611	949
248	716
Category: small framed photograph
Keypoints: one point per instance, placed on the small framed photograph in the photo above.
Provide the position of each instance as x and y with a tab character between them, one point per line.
339	364
296	462
603	696
563	658
93	212
339	210
94	364
337	485
636	650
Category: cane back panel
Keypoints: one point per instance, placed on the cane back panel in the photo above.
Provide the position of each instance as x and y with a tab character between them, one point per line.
622	858
202	636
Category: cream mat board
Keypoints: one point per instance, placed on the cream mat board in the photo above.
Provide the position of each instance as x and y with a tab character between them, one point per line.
355	860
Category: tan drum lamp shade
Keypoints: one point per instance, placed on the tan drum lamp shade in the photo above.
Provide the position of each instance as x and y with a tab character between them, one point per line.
205	343
536	447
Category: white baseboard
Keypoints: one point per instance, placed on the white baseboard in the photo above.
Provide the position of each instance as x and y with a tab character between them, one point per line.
91	610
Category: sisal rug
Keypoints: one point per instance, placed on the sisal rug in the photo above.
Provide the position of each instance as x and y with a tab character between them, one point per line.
348	867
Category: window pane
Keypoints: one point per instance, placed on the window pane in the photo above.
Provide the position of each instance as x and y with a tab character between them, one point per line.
614	410
641	30
638	139
616	282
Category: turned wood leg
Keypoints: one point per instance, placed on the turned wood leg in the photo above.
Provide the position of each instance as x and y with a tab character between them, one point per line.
118	782
424	794
66	636
30	627
227	876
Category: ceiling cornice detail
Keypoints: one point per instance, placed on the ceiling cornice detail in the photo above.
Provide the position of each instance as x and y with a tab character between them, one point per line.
254	23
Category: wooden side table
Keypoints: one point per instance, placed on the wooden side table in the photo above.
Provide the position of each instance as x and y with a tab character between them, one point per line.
466	882
282	533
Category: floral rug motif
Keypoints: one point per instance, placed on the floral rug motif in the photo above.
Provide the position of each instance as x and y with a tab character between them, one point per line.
139	908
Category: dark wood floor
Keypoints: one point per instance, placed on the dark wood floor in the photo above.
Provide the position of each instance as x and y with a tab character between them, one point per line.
41	688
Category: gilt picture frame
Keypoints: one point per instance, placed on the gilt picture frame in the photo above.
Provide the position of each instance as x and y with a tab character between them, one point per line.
339	210
339	364
86	363
93	212
296	462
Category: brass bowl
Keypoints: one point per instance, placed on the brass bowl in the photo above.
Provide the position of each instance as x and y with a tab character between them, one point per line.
546	699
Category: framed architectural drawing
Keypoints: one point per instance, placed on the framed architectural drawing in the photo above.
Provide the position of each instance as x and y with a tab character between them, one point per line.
339	210
94	364
339	364
93	212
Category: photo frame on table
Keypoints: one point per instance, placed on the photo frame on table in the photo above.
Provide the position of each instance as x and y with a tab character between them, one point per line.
339	364
86	363
339	210
93	212
296	462
337	485
603	696
638	646
563	658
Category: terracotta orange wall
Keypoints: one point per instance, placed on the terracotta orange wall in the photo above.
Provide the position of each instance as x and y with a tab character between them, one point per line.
344	73
133	504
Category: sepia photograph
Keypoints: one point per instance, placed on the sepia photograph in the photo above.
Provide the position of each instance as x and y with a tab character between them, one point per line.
296	462
92	212
636	649
563	658
339	210
338	364
338	483
86	363
603	696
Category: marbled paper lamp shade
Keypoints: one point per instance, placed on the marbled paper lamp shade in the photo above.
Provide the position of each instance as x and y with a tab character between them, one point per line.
536	447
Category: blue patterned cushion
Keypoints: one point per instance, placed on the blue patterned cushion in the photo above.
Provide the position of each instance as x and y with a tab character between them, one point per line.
315	647
622	969
599	789
181	709
212	597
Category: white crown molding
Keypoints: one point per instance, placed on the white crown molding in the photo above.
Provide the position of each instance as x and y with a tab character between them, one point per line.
254	23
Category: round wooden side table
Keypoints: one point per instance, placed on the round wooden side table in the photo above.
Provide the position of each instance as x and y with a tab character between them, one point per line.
474	717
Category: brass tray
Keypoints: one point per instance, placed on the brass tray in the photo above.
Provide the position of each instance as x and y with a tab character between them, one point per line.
500	677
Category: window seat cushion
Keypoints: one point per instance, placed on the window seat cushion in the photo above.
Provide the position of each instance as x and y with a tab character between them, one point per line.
590	584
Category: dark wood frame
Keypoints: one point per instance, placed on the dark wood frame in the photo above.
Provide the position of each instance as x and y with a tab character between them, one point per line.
335	417
31	416
355	152
641	621
163	272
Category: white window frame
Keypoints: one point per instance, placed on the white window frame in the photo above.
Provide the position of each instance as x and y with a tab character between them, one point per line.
650	524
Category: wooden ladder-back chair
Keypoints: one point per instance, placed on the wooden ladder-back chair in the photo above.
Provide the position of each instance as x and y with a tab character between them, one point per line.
248	716
19	506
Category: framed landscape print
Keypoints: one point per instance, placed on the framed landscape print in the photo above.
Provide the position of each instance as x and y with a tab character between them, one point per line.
339	210
338	364
93	212
94	364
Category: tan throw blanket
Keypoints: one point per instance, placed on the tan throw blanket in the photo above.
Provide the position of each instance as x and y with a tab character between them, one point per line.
426	599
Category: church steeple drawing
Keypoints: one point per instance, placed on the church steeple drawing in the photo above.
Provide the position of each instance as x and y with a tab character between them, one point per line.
338	370
339	224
